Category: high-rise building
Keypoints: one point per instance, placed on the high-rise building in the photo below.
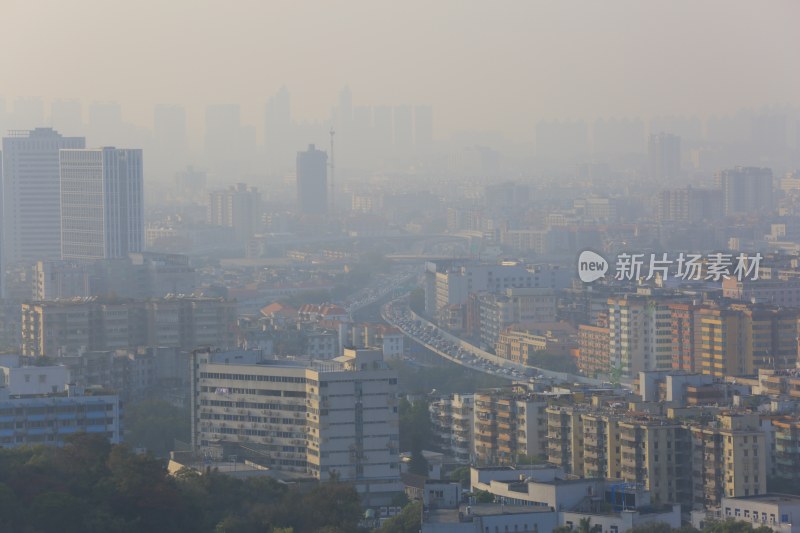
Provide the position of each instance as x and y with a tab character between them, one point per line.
664	155
740	339
279	130
688	204
238	207
640	334
321	418
312	181
746	190
102	196
31	222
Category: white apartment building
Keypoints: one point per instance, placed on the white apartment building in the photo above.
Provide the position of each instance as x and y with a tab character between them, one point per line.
102	195
640	334
514	306
31	223
238	207
453	423
451	285
321	418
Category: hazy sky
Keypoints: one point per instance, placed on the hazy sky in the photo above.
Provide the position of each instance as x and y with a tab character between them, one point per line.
482	65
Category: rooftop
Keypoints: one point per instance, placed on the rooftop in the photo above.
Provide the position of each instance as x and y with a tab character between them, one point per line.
771	497
466	512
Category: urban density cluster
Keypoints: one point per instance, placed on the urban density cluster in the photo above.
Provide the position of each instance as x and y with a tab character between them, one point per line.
420	332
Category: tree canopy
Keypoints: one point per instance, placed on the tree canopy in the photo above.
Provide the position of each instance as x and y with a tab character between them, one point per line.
92	486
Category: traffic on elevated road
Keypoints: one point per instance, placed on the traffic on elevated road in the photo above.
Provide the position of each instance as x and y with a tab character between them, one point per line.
398	314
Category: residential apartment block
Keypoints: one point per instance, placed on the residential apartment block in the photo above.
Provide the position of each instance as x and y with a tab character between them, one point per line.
508	426
63	327
453	423
321	418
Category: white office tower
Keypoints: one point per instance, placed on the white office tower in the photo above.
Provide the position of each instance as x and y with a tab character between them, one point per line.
102	195
31	222
314	418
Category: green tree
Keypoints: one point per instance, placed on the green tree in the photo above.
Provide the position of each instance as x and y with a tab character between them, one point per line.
408	521
523	459
734	526
334	504
416	301
9	506
659	527
461	475
57	512
416	429
418	464
155	424
585	526
484	496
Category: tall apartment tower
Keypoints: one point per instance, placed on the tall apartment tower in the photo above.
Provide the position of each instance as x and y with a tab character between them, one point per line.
238	207
102	196
31	223
664	154
312	181
746	190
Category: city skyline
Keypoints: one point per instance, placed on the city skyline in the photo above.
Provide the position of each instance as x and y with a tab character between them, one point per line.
579	61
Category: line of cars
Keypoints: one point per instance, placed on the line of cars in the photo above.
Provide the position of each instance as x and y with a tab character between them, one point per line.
431	337
381	285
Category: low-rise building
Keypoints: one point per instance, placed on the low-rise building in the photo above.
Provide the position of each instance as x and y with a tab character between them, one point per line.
38	406
779	512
